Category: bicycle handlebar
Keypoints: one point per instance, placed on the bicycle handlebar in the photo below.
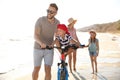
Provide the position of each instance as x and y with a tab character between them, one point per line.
73	46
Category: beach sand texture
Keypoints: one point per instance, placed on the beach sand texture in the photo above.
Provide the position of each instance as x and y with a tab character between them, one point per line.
108	62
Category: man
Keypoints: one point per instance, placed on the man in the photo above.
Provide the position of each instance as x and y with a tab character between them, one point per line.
44	34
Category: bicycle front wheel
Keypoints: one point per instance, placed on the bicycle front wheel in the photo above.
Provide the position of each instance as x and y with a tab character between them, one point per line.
63	75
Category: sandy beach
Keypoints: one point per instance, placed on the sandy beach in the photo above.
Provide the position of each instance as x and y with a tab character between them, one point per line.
108	62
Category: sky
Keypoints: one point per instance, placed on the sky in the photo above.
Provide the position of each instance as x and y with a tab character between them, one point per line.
18	17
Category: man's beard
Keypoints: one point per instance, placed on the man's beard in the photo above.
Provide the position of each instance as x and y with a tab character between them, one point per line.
50	17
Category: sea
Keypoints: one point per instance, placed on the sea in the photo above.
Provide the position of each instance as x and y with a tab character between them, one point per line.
17	51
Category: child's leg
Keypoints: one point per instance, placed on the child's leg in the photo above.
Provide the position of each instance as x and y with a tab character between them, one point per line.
68	52
74	60
95	58
92	63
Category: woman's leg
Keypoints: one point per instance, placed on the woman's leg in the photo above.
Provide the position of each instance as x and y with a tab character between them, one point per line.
70	58
74	60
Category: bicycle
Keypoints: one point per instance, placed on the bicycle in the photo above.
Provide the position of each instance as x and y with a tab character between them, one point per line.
62	73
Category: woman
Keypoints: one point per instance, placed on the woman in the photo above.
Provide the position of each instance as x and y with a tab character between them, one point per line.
73	34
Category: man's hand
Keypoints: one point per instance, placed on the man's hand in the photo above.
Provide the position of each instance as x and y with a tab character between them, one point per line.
43	45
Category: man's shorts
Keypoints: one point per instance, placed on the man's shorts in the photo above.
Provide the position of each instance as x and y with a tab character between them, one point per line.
92	53
45	54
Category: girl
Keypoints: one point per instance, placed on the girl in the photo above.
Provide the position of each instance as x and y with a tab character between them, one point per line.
93	48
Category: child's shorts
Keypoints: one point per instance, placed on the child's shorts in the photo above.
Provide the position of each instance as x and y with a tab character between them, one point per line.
92	53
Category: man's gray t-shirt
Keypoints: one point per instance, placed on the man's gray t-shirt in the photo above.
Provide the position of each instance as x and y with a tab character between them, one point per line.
47	31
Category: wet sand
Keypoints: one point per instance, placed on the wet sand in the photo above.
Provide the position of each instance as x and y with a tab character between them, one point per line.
108	62
106	72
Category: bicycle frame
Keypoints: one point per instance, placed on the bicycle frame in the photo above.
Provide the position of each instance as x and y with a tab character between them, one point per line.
62	73
62	66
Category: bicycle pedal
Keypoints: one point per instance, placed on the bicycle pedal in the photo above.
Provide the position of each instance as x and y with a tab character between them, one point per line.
66	64
58	64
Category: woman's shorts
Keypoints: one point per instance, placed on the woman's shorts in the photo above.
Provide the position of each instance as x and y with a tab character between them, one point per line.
39	55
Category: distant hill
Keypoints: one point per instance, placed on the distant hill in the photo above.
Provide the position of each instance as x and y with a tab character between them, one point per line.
106	27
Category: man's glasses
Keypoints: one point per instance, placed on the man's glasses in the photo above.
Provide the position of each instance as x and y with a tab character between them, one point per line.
50	11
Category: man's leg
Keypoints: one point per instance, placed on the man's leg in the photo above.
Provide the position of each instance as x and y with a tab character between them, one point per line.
35	73
48	60
47	72
37	57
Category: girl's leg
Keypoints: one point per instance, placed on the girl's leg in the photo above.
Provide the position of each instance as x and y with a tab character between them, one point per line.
70	58
92	63
95	58
74	60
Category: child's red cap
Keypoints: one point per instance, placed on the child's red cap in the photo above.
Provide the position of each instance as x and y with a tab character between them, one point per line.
63	27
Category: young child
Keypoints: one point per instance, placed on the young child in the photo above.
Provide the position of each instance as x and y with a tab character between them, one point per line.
63	38
72	31
93	48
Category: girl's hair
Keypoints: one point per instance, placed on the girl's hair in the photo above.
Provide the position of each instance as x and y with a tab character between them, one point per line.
94	39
